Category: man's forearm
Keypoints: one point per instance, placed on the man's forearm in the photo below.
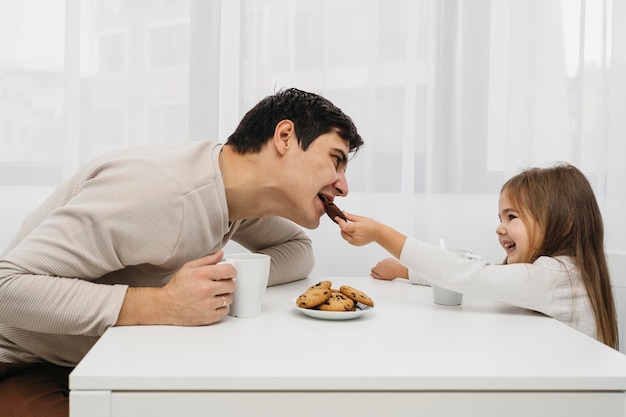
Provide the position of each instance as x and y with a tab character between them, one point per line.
140	307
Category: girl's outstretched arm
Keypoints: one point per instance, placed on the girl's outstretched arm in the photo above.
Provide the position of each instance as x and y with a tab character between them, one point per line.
360	230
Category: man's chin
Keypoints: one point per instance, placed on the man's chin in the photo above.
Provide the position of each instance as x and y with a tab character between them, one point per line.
310	224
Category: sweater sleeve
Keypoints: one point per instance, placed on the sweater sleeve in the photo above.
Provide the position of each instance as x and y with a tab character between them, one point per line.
416	278
531	286
287	244
98	224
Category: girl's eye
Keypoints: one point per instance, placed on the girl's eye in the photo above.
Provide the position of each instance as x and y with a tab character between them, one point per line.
512	217
337	160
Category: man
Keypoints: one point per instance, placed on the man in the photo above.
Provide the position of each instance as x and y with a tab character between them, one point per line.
135	237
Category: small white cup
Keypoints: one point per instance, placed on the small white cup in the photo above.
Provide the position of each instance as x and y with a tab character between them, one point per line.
445	297
253	271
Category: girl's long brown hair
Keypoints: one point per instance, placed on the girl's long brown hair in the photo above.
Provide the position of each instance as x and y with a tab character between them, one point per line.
561	203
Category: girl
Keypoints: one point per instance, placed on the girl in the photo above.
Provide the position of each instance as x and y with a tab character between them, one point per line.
552	232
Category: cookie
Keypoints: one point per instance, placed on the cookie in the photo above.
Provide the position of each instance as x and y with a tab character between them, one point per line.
321	284
314	295
331	209
337	302
356	295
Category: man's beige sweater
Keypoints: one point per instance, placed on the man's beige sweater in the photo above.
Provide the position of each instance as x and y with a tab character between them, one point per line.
130	218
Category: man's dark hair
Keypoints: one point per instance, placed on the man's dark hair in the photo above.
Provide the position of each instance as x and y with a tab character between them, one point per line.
311	114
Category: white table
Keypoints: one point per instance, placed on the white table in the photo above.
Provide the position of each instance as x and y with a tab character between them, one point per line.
406	357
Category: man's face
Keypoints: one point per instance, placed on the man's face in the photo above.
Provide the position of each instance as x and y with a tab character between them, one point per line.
319	169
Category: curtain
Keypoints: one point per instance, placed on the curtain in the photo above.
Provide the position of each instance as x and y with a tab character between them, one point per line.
451	97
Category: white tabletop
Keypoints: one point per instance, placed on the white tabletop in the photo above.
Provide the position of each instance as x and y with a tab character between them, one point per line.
405	343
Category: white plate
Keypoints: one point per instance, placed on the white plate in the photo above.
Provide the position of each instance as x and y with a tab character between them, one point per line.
334	315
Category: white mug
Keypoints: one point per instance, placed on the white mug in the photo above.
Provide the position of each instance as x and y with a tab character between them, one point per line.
446	297
253	270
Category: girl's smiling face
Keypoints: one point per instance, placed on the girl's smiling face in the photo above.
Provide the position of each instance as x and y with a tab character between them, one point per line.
512	232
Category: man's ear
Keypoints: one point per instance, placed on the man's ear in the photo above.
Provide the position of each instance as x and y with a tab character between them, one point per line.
283	135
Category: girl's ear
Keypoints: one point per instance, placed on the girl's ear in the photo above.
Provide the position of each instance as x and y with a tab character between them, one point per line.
283	134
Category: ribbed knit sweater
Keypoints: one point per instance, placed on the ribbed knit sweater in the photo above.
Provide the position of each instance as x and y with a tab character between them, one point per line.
130	218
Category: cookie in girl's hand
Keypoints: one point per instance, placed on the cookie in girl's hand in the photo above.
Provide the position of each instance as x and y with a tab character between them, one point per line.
331	209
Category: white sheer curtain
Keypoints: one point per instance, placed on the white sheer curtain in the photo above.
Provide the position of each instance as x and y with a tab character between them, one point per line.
452	97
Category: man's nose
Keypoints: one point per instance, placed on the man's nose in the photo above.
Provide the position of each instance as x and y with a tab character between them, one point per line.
341	185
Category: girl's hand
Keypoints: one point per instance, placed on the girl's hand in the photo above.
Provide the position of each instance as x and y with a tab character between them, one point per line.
359	230
389	269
